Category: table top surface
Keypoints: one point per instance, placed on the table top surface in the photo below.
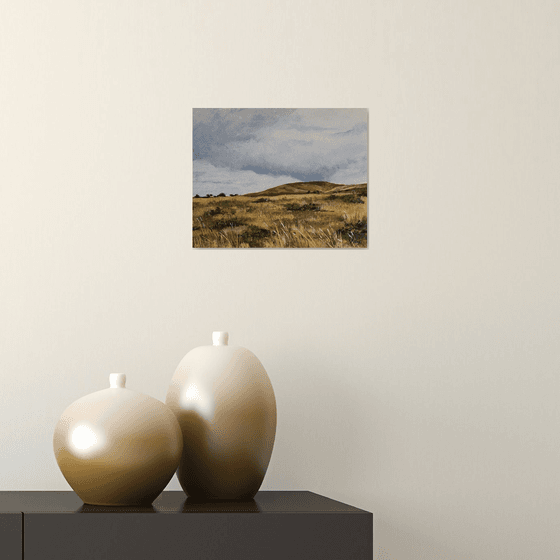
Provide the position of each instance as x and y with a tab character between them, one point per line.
29	502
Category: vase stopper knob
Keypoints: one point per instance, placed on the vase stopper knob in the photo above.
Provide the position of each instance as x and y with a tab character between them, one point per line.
117	380
220	338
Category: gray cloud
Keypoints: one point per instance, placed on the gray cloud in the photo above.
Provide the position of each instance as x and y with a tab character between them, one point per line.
275	144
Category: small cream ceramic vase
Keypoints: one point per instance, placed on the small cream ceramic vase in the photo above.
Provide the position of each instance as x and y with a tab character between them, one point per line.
225	405
117	447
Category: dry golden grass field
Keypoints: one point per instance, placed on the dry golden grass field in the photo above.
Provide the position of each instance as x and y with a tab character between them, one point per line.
311	220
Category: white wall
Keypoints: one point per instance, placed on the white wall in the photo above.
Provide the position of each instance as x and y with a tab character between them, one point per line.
417	379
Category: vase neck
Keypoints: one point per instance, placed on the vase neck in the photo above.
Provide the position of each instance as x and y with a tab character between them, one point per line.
117	380
220	338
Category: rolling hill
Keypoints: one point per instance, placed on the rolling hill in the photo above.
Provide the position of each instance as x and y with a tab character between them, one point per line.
312	187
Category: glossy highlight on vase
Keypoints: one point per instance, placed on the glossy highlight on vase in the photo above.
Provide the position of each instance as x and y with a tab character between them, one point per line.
117	447
226	407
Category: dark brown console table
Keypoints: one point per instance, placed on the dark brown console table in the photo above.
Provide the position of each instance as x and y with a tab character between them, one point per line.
274	525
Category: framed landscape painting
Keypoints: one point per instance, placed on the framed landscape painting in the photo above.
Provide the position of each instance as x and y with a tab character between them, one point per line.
280	178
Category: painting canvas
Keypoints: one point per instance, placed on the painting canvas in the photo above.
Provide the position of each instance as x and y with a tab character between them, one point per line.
280	178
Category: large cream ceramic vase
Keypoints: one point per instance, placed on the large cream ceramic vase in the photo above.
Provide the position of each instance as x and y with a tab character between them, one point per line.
225	405
117	447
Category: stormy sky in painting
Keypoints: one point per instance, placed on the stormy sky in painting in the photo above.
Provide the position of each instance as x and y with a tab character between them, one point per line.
237	151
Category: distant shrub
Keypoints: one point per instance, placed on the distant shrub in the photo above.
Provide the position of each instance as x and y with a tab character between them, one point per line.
196	196
254	236
348	198
213	212
209	195
221	194
311	207
262	200
355	232
233	194
351	199
229	222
